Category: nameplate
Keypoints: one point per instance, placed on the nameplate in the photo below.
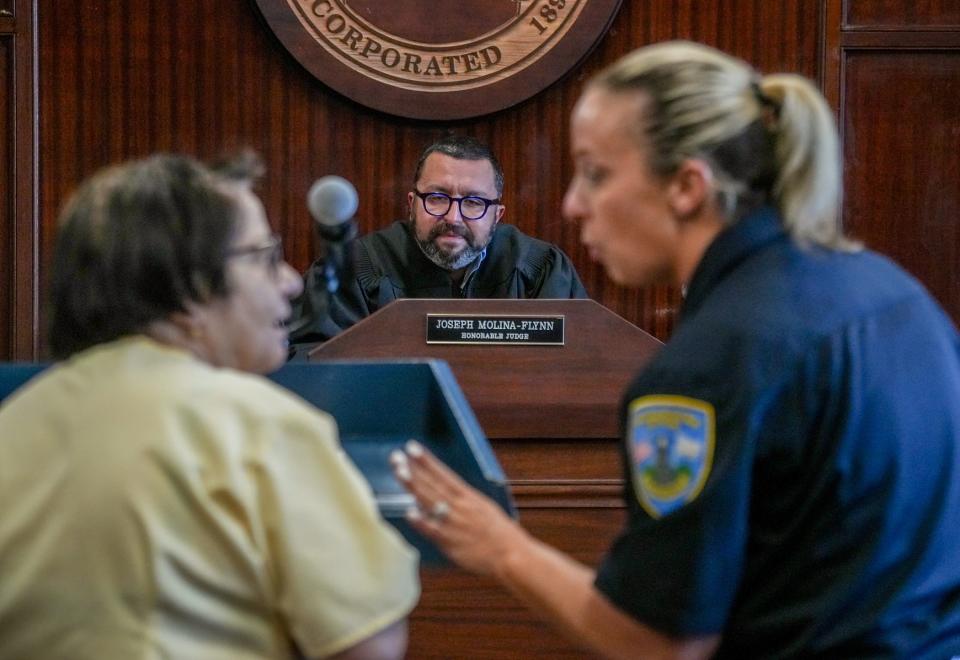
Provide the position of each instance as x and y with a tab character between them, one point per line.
494	329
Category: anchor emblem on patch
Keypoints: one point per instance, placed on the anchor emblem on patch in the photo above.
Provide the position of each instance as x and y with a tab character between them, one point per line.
671	445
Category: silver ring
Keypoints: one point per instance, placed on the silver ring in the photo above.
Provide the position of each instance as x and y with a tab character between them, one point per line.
439	511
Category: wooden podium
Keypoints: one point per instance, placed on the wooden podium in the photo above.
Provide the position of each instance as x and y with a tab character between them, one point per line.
551	414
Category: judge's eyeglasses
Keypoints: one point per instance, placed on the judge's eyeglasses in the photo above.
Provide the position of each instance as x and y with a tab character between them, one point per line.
472	207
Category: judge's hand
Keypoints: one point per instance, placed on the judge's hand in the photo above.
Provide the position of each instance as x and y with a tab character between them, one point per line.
469	527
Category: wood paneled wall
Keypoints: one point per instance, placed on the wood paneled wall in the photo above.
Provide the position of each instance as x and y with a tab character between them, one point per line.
896	83
124	78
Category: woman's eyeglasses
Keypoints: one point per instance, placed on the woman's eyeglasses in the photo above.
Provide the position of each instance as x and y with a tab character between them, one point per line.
270	250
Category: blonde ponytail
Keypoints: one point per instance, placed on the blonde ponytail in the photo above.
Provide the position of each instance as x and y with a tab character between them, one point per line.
769	140
807	150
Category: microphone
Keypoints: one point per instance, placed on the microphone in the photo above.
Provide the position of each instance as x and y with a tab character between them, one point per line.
332	201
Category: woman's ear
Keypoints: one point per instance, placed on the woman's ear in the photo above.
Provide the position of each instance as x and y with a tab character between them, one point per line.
192	323
690	187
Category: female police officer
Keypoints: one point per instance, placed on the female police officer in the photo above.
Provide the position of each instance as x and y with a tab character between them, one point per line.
792	457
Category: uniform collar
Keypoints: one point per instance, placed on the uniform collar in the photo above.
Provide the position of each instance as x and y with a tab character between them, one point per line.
728	250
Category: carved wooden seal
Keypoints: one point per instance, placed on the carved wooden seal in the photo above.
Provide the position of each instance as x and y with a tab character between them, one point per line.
438	59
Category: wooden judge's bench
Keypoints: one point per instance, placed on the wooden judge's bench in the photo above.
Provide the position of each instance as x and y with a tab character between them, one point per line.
551	414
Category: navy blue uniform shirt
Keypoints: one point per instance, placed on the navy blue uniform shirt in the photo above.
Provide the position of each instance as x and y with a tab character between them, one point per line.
792	459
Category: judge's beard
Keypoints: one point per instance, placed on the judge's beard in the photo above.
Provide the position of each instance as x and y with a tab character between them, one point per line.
446	260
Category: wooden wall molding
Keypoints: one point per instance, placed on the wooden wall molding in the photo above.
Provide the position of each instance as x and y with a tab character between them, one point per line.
19	322
894	72
898	15
568	494
7	183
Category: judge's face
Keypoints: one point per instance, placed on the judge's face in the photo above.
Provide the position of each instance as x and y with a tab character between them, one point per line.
452	241
621	206
245	329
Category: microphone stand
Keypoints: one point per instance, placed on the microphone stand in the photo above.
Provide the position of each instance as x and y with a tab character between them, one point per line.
333	266
336	254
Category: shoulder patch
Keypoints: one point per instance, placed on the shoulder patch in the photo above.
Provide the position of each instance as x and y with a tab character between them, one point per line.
670	443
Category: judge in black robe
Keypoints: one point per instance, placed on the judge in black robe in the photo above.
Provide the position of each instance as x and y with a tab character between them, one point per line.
389	264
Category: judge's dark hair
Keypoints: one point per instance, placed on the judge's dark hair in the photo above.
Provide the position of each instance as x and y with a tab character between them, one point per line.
139	241
462	147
